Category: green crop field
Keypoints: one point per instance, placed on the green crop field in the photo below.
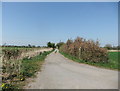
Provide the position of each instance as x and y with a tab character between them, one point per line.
114	60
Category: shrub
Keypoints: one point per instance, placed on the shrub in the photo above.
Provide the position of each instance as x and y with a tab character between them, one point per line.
87	50
11	66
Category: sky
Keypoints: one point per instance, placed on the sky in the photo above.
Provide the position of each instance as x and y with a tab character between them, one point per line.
37	23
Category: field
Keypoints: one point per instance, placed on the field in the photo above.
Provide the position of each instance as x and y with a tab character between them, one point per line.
113	62
19	64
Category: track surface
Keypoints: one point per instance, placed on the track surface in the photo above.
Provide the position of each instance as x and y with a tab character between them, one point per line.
59	72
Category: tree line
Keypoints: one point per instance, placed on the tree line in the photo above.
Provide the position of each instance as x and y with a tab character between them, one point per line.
110	47
58	45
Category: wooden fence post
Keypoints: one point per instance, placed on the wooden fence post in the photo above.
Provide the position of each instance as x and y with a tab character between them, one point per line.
79	52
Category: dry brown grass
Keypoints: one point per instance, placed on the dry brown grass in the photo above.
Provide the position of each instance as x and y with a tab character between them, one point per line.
11	61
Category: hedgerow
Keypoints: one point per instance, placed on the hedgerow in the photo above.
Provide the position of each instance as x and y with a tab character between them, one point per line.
87	50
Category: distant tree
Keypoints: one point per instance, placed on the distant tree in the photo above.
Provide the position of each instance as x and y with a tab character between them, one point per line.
29	45
51	45
38	46
118	47
59	44
108	46
33	46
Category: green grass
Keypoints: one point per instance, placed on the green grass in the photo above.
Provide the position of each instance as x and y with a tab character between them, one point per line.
112	64
28	69
31	66
114	60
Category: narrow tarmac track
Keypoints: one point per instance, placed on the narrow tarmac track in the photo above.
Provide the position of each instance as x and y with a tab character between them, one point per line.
59	72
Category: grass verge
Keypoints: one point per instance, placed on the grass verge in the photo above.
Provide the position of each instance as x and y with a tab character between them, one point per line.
114	62
29	68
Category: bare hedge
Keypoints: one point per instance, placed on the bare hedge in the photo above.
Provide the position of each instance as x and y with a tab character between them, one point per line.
87	50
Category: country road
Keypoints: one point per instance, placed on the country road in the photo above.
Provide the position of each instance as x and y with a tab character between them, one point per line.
59	72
